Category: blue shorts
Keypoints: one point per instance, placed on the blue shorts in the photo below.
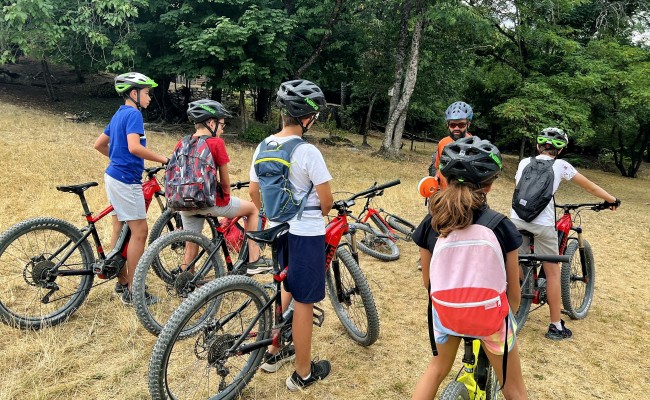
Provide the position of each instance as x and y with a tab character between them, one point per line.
305	256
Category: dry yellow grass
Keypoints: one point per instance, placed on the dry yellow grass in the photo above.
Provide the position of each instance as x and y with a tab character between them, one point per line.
102	352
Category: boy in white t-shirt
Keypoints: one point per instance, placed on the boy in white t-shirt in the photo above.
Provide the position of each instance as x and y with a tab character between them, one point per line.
304	250
550	143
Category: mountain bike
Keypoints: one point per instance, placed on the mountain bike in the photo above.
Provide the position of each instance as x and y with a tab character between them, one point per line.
162	273
578	271
244	319
47	265
379	239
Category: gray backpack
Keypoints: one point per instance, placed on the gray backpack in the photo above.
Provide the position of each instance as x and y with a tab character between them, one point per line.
534	190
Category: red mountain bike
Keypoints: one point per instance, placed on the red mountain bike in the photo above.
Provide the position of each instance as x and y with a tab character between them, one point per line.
577	276
47	265
239	318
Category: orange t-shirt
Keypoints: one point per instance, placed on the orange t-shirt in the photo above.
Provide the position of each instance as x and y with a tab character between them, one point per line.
441	145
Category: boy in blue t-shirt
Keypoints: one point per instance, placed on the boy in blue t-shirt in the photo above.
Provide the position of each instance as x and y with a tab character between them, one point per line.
124	143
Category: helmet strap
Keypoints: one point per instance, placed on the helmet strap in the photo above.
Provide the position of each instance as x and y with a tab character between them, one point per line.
305	128
127	96
212	132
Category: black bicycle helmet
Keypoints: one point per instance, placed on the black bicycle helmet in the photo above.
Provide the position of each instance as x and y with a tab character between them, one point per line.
553	137
132	80
471	159
300	97
203	110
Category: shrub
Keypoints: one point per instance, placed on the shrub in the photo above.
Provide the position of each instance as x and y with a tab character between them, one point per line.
257	131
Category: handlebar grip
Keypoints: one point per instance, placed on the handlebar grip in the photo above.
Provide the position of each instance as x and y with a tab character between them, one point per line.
388	184
539	257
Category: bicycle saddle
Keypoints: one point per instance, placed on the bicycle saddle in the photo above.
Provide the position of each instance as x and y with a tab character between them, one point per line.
77	189
269	235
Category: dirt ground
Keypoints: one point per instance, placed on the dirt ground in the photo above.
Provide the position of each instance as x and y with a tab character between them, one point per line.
102	352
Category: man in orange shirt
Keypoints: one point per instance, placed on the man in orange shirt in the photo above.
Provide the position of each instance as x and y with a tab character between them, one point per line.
459	117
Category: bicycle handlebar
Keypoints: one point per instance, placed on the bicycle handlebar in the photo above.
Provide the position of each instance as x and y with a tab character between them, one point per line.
153	171
592	206
374	189
538	257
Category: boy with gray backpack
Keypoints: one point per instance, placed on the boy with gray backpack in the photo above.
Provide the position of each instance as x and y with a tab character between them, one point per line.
289	182
533	210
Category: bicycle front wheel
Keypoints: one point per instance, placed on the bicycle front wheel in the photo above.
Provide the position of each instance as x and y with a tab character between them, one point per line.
375	243
401	225
527	295
455	391
155	299
492	385
352	299
206	366
577	279
32	294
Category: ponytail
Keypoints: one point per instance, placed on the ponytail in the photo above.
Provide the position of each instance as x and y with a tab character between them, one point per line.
453	208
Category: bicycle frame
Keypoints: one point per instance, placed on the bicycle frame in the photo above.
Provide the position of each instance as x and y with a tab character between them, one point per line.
473	374
375	215
151	188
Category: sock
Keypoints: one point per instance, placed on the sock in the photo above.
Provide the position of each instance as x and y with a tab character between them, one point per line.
305	378
558	325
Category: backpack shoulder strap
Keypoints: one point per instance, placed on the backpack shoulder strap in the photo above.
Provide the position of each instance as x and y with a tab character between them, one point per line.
432	339
490	218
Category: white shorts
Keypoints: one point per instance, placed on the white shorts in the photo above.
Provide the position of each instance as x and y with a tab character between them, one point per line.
193	220
127	199
546	243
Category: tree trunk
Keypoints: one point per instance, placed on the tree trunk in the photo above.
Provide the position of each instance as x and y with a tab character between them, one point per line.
366	125
400	55
263	106
47	77
396	120
162	108
522	147
242	110
619	153
636	156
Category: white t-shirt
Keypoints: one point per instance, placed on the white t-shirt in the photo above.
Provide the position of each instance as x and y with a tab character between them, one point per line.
307	167
562	170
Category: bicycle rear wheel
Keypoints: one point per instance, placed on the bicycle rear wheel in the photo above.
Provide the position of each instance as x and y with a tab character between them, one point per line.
32	296
455	391
155	299
492	385
375	243
577	280
527	295
352	299
202	366
401	225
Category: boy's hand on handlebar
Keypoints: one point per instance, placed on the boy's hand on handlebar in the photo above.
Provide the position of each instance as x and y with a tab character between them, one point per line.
613	205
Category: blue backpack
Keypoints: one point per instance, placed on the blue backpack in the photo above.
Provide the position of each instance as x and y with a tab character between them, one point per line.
272	166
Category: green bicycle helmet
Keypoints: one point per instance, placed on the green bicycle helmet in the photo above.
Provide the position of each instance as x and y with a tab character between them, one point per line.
553	138
132	80
203	110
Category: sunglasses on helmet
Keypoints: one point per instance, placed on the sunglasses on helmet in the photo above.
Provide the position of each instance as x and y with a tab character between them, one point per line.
557	143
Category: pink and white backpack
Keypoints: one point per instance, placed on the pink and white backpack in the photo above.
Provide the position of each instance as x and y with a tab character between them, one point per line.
467	278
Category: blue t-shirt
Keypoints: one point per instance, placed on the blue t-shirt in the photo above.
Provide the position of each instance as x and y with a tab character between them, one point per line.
124	166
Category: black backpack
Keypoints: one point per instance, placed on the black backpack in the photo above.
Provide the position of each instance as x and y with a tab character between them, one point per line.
534	190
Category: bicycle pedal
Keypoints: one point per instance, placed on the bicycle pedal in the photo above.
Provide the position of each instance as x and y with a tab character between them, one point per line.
319	316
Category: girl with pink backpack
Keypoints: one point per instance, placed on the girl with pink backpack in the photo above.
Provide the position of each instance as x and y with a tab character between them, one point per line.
470	266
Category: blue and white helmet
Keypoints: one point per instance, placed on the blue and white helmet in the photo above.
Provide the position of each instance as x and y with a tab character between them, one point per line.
459	110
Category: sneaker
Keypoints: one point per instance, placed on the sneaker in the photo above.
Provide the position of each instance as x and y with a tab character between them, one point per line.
257	267
556	334
119	288
273	362
319	371
128	300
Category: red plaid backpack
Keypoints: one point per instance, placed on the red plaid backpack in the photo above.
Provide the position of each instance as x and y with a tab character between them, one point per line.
191	178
